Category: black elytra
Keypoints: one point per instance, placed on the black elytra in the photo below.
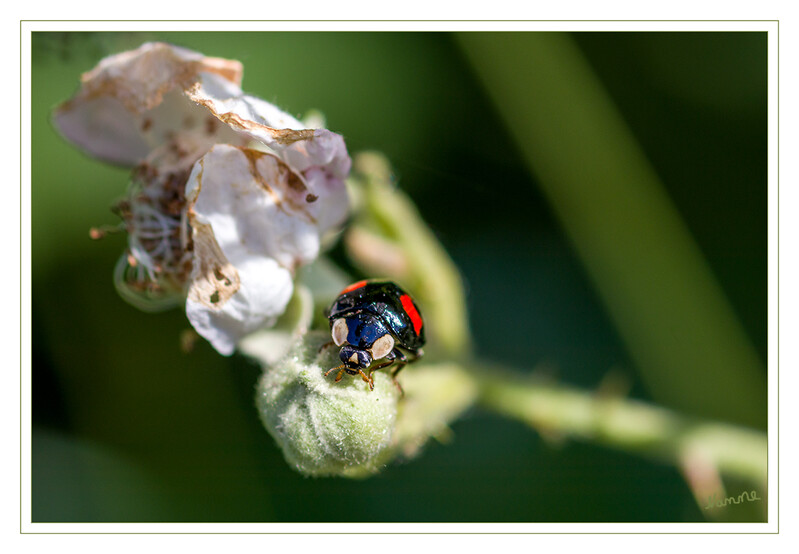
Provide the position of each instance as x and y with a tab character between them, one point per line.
371	310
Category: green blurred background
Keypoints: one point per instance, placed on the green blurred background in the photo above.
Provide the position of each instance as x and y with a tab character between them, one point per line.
128	428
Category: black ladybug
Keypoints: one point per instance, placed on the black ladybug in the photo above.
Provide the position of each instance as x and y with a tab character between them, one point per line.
375	321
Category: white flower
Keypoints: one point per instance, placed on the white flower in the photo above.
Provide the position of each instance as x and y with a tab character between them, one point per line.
229	196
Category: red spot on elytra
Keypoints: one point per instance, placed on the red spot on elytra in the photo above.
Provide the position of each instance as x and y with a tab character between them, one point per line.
353	286
411	310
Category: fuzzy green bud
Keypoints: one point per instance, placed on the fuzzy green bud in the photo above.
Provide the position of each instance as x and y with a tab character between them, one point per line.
326	427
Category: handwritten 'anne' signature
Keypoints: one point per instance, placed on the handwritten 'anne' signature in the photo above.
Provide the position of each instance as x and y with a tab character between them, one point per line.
713	503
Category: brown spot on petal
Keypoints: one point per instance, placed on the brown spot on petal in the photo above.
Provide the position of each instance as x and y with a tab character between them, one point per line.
290	136
121	75
311	198
177	149
295	183
213	278
211	124
221	276
283	185
252	157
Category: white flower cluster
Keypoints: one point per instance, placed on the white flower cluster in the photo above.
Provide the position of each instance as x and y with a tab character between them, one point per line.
229	194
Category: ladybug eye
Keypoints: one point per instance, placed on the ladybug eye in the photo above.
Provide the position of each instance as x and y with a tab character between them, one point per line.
382	346
340	332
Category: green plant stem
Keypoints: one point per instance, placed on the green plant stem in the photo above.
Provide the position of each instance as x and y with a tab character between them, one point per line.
681	331
622	423
435	276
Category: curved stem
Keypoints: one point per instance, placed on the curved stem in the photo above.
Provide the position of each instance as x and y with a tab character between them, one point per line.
432	272
625	424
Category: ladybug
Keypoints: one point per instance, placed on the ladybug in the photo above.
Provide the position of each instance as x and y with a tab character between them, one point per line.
375	322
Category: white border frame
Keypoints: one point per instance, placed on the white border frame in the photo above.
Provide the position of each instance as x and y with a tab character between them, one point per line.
28	27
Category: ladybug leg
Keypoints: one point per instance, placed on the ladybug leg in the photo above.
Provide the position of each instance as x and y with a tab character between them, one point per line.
369	380
400	365
391	359
381	366
340	373
401	360
331	370
325	346
393	373
375	368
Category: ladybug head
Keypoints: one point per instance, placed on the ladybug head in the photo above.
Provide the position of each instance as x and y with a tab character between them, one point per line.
362	336
354	358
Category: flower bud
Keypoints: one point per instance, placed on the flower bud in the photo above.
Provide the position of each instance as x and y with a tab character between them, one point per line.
326	427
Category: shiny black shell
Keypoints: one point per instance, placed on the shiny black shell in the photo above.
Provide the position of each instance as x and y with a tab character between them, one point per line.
387	302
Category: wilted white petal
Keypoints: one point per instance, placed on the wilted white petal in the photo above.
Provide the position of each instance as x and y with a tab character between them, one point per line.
326	150
304	150
254	199
251	220
132	102
262	192
334	203
232	292
268	345
250	115
264	291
